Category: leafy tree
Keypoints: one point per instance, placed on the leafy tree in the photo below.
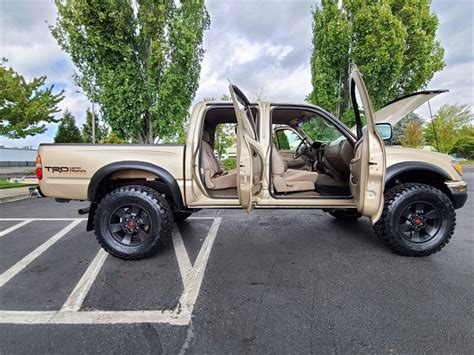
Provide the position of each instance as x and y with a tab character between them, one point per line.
400	128
319	130
139	59
330	58
413	136
465	147
229	163
452	129
101	129
282	140
392	41
224	138
67	130
25	106
112	138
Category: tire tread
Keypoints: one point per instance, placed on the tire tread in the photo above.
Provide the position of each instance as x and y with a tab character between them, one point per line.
162	205
382	226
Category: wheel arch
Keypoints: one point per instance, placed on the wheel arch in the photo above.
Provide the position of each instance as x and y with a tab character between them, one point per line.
99	184
418	172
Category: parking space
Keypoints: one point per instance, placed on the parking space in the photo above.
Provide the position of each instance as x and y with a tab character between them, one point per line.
51	283
268	282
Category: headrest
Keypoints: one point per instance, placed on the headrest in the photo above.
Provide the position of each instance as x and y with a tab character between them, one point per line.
206	137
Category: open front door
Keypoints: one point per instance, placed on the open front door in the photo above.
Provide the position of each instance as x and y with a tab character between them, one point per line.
367	178
249	152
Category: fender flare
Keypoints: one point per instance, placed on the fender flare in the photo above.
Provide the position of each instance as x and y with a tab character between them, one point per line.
399	168
107	170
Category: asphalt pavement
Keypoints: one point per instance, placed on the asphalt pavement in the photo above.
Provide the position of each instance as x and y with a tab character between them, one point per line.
273	281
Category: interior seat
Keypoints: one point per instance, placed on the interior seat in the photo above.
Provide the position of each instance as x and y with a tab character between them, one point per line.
214	177
290	180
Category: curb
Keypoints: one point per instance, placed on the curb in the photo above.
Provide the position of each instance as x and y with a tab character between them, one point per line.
14	198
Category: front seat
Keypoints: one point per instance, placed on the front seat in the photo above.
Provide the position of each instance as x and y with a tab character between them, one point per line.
214	177
290	180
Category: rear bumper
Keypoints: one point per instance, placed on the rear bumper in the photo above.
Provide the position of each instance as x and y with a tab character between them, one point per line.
39	191
458	191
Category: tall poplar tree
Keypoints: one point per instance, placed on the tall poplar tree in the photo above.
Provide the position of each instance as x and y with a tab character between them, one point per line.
393	43
139	59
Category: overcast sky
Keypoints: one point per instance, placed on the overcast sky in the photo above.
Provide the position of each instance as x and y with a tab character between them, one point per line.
263	46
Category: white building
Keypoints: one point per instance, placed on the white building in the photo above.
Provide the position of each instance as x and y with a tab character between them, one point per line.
14	157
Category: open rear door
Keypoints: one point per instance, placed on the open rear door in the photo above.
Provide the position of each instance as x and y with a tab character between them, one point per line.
249	152
368	165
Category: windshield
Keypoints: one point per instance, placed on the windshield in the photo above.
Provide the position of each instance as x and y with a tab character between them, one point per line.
320	130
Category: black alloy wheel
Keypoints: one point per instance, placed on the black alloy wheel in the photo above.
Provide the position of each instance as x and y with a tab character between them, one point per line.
129	224
133	222
417	219
420	222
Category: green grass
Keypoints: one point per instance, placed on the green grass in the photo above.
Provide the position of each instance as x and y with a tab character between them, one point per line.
467	162
4	184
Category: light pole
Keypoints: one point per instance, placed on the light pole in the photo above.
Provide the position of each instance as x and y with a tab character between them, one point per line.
93	123
93	116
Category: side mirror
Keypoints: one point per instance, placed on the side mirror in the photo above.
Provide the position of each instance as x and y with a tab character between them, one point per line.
385	130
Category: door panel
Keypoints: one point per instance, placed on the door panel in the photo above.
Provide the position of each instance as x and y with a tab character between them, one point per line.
249	152
368	164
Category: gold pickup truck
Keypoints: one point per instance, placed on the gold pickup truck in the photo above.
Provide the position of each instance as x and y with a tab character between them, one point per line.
287	156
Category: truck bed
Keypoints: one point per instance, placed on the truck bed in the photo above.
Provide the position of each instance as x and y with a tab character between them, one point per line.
68	168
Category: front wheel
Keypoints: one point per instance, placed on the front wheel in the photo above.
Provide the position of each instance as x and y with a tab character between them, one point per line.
133	222
417	220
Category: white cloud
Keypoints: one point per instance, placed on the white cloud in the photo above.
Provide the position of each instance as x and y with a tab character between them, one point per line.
239	51
32	51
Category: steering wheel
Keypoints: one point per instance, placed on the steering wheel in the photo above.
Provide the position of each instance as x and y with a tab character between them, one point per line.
299	150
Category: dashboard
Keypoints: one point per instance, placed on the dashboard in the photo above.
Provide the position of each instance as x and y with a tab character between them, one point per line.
339	154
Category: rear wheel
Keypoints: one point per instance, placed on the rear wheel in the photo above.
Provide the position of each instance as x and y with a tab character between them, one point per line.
417	220
133	222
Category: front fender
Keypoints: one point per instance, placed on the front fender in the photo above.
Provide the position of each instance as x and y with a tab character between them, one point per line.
396	169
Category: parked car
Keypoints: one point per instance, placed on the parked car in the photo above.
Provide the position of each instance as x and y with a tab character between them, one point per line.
288	156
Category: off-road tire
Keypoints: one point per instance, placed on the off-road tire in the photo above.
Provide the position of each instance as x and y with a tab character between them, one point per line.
147	199
397	200
180	216
345	214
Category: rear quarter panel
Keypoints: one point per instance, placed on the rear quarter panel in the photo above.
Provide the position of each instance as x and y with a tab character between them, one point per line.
68	168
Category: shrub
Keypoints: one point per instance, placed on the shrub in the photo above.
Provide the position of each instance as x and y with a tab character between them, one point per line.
229	163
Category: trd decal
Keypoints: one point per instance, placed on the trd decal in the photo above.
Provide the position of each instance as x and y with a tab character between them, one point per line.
65	169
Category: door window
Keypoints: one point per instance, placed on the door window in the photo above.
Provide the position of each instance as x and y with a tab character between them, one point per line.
359	110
